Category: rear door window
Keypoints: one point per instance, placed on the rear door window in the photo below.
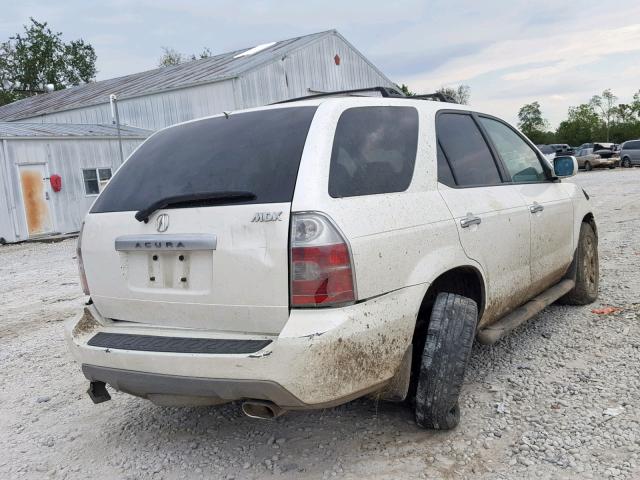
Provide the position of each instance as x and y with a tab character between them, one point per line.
471	161
518	157
374	151
445	175
257	152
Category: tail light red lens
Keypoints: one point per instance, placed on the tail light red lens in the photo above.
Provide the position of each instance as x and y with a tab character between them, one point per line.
83	277
321	270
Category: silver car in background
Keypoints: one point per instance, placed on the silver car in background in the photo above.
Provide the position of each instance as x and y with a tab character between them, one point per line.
630	153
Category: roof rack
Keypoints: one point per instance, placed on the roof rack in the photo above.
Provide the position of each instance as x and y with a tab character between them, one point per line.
438	96
383	91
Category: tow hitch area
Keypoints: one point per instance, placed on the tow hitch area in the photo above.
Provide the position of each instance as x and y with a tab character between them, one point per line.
98	392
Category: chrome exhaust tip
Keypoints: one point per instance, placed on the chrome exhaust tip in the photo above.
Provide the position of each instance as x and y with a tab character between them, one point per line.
262	409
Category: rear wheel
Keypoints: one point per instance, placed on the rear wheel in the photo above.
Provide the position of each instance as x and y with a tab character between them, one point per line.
448	343
587	269
587	166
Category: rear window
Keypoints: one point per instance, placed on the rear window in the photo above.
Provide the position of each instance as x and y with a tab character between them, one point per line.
256	152
374	151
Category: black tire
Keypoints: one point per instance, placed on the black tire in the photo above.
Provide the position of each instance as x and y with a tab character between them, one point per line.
448	343
626	163
587	269
587	166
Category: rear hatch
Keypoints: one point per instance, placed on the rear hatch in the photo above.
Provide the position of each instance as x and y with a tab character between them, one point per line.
193	229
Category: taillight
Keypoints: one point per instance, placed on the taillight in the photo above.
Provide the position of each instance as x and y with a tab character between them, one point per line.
83	277
321	269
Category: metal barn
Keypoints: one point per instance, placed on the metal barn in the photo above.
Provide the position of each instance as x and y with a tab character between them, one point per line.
67	135
51	173
245	78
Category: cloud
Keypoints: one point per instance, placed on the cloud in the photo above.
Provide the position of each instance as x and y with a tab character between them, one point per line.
559	53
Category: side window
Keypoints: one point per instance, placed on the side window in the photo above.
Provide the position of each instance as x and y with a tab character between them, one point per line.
519	158
374	151
463	145
445	175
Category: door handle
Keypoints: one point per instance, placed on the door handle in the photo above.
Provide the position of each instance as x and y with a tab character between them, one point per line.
536	207
469	220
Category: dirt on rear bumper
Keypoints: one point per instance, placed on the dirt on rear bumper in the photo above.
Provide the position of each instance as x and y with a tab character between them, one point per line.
321	358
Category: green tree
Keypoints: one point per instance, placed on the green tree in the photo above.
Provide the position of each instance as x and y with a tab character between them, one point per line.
635	104
605	105
461	94
405	89
626	120
171	56
533	124
37	57
581	126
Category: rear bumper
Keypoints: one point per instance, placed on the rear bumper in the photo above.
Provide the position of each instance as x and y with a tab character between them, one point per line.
605	163
322	357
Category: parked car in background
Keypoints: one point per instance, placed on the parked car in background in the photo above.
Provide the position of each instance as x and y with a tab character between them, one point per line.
589	160
562	149
605	150
630	153
548	151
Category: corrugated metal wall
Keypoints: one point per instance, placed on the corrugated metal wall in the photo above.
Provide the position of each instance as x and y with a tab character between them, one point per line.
312	67
155	111
7	229
67	158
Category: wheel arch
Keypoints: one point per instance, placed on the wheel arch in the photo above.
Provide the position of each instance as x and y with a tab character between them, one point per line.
465	279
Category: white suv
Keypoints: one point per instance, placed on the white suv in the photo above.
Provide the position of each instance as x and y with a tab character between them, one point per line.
301	255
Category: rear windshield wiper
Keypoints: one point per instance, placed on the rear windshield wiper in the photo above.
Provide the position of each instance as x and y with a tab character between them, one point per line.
193	199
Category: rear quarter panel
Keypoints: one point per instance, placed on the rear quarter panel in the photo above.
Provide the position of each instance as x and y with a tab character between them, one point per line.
397	239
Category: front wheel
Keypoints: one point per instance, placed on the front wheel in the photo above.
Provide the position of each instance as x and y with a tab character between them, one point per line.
587	166
626	162
447	348
587	269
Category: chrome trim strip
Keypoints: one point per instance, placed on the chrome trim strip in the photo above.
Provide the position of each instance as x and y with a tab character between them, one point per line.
166	243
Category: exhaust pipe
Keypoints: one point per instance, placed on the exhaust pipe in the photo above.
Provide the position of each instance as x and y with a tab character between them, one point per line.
262	409
98	392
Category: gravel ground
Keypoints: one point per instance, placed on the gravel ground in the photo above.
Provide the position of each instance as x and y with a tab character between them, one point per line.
559	398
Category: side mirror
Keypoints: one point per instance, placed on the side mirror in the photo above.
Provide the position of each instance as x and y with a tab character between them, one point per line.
565	166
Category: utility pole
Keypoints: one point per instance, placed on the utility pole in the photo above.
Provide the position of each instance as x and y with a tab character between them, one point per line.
113	100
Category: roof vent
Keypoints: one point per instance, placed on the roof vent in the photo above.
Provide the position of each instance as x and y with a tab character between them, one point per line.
255	50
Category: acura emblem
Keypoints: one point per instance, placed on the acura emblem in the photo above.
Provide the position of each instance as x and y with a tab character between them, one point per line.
162	222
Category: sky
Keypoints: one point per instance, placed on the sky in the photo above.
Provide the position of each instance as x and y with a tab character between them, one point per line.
559	53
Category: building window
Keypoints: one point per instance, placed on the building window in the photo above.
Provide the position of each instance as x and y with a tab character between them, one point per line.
95	179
